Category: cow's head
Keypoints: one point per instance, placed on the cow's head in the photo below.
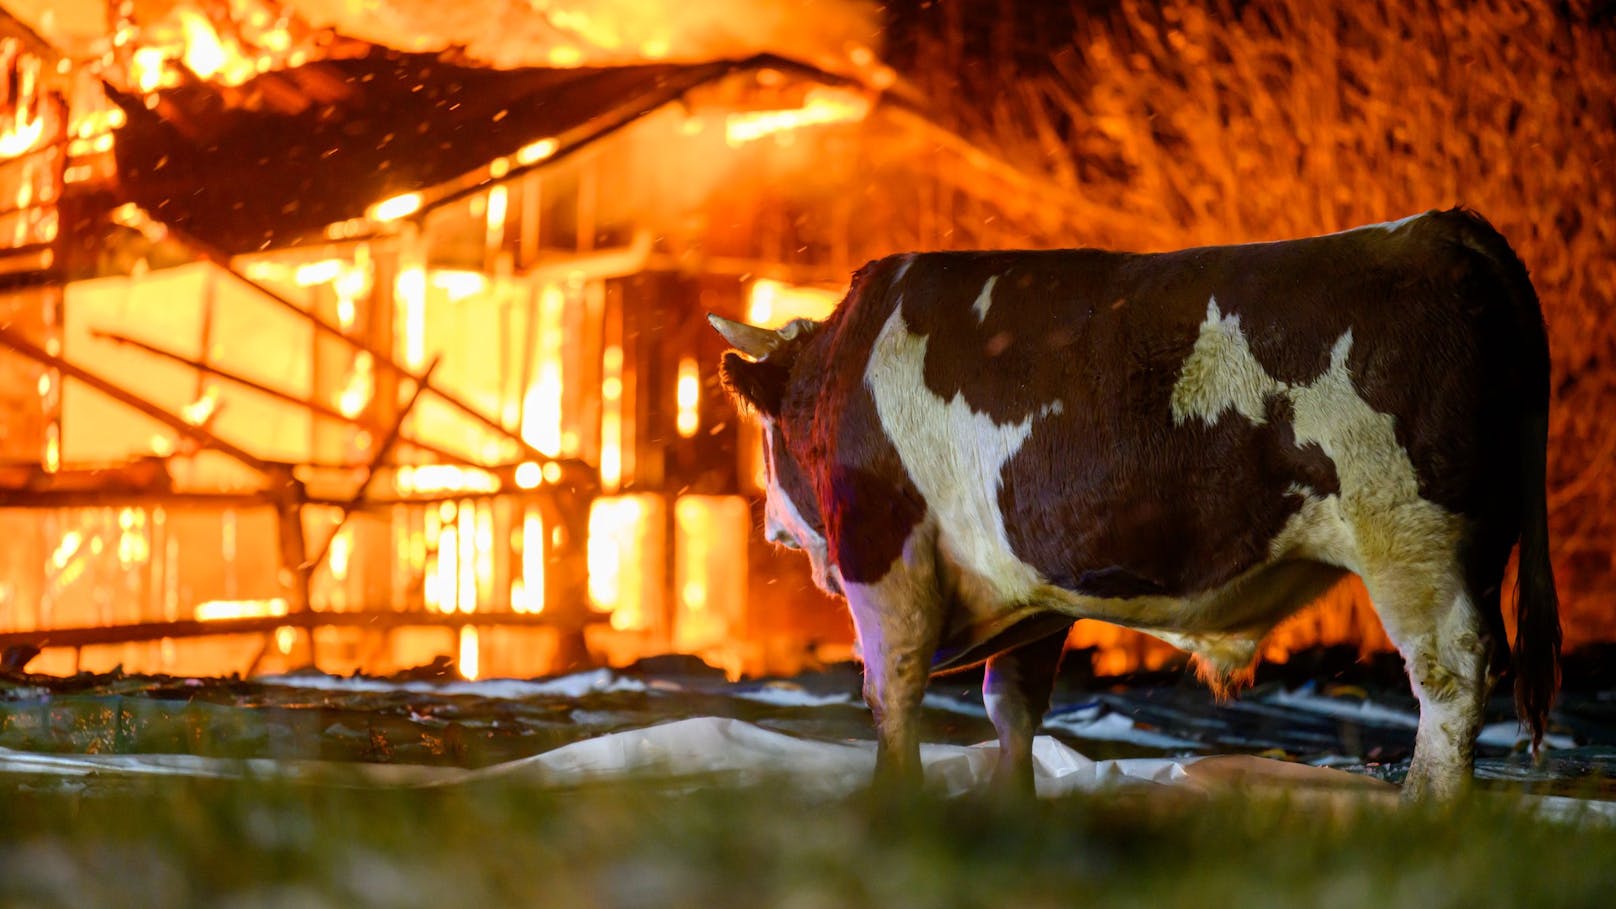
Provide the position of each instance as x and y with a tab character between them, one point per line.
758	375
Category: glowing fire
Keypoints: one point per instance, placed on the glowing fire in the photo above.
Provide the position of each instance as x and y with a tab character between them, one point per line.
470	653
822	105
771	304
410	289
220	610
395	207
205	54
611	419
542	406
710	570
528	475
534	152
436	478
358	388
22	137
687	395
527	592
624	552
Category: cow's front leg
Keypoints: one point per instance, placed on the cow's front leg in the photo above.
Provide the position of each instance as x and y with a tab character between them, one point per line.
1016	691
898	620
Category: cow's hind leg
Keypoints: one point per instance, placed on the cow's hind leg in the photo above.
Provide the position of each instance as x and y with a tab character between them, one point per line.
1016	691
1442	636
898	621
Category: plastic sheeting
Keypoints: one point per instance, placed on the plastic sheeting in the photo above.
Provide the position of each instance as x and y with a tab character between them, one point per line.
729	748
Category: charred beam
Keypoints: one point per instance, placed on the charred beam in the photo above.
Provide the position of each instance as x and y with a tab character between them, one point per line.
87	636
382	358
15	340
272	392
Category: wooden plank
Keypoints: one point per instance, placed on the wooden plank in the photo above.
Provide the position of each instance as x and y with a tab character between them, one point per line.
192	628
15	340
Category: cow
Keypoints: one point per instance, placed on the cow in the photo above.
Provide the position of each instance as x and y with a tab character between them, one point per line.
977	449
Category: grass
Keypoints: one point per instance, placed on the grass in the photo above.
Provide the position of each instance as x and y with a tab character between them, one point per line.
187	842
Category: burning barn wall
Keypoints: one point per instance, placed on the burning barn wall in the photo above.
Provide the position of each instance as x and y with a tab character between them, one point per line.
381	357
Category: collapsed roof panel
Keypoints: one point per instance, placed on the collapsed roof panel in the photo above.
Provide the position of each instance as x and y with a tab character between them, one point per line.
274	161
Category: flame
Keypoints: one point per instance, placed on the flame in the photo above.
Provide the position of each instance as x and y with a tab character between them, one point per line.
447	580
498	205
529	475
341	552
467	564
469	653
710	570
438	478
611	419
321	272
65	550
394	207
771	304
358	388
219	610
147	69
527	592
618	554
21	138
458	284
822	104
688	397
199	411
542	405
410	289
534	152
205	54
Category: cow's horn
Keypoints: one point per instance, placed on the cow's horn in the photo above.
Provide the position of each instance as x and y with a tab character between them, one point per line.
755	342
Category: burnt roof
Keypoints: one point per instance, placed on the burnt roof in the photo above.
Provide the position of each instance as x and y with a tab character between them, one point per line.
270	163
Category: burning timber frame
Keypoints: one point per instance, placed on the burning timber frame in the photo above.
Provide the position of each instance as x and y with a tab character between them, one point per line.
178	177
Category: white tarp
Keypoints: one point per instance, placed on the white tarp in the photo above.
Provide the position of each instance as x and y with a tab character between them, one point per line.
728	747
741	751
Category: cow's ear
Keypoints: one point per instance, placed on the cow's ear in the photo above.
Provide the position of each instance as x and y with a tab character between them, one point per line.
756	385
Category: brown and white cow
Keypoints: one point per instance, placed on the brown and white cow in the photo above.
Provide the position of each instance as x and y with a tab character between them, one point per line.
978	448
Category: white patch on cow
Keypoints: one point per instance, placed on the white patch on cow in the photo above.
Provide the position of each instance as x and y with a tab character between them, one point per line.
984	300
1404	547
1221	373
1379	518
1380	492
897	621
954	455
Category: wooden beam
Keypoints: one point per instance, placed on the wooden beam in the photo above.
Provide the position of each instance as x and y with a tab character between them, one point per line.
313	406
86	636
379	456
15	340
381	357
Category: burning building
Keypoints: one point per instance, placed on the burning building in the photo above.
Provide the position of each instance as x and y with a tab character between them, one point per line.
325	351
366	333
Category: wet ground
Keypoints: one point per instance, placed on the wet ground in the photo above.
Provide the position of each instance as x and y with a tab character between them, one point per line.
1323	708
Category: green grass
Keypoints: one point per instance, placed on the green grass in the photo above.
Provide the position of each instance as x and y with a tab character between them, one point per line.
187	842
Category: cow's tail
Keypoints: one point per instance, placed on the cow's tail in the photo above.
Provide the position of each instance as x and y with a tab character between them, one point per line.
1537	605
